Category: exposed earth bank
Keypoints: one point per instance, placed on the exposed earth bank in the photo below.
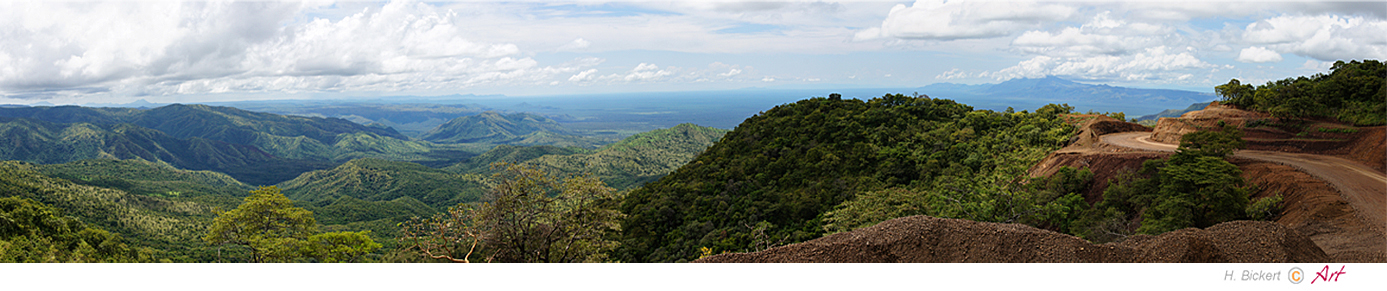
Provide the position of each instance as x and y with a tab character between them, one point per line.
924	239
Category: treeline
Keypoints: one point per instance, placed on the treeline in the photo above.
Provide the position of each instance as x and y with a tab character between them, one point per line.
1353	92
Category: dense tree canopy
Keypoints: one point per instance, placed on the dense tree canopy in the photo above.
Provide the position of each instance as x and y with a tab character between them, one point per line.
779	172
1353	92
528	217
275	231
31	232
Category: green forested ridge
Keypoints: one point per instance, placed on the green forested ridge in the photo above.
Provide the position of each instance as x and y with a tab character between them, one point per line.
146	178
510	154
257	148
637	159
626	164
775	176
381	180
46	142
1353	92
515	129
169	225
240	126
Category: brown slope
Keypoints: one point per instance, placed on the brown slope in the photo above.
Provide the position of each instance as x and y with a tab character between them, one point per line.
924	239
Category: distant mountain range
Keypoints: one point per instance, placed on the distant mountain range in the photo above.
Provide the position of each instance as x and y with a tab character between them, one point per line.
1024	92
254	147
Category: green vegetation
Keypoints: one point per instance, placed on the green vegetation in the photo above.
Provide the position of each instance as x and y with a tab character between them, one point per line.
31	232
1268	208
1194	188
168	225
1353	92
779	173
382	180
529	217
514	129
269	225
629	163
147	178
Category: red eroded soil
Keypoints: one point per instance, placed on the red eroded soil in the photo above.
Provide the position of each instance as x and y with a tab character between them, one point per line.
924	239
1315	209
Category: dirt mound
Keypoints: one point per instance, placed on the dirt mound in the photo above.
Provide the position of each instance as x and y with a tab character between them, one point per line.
1169	130
1093	126
1087	150
1369	146
924	239
1317	210
1105	166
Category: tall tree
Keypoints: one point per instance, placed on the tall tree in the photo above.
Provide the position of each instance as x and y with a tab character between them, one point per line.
530	217
267	223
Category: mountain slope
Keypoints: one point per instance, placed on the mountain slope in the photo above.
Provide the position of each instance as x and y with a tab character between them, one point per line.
626	164
381	180
46	142
776	175
640	158
171	226
514	129
147	178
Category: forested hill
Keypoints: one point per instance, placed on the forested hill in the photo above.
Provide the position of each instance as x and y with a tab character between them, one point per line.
211	122
772	179
626	164
46	142
381	180
164	209
256	148
513	129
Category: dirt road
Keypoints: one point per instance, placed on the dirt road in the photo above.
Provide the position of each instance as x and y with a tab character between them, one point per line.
1364	188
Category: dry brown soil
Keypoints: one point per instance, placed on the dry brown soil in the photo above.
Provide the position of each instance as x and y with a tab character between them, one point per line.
924	239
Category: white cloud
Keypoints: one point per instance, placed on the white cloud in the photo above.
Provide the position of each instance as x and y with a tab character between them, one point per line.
955	73
1258	54
583	76
940	20
732	72
1153	64
645	72
1102	35
576	44
1322	37
768	79
163	48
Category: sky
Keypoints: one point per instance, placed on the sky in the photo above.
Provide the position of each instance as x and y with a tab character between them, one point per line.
203	51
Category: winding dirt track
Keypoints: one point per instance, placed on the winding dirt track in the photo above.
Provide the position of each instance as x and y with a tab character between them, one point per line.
1364	188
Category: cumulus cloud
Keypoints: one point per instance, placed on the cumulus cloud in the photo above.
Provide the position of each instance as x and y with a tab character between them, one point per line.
951	20
955	73
1158	63
1101	35
583	76
1258	54
163	48
1322	37
729	73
